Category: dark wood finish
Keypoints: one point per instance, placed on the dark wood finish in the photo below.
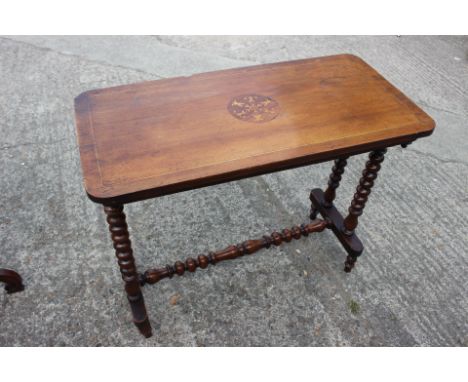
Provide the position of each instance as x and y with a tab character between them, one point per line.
248	247
12	280
349	263
350	243
363	190
123	251
154	138
333	183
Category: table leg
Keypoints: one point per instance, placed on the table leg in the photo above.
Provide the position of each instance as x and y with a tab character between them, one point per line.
360	198
13	280
333	183
123	251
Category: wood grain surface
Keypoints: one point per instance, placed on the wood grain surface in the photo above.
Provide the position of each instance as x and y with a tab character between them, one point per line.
159	137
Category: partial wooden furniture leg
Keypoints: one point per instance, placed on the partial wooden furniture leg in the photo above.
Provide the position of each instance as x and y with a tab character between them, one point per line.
123	251
333	183
12	280
360	198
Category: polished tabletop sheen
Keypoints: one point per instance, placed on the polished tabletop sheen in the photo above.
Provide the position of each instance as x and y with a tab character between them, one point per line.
159	137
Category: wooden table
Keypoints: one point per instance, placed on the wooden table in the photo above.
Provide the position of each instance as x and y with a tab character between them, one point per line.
156	138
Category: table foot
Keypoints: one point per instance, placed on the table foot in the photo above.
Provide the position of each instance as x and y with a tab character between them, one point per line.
140	317
124	253
350	243
248	247
12	280
349	263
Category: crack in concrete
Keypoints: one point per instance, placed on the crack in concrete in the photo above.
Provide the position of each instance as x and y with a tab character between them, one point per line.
81	57
231	58
435	157
226	57
454	84
425	104
32	144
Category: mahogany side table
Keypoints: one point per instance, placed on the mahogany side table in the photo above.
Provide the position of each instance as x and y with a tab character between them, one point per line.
160	137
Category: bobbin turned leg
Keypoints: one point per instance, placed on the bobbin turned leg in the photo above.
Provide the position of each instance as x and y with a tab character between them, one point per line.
360	198
126	261
333	184
334	181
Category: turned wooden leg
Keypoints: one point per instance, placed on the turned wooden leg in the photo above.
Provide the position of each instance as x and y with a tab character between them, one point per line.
334	181
12	280
333	184
123	251
360	198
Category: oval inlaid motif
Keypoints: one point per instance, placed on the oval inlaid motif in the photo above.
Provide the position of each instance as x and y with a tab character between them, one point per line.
254	108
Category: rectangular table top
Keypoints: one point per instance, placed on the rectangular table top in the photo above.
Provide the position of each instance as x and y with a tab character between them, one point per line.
158	137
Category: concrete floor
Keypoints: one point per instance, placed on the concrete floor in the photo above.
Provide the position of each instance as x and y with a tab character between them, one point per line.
409	287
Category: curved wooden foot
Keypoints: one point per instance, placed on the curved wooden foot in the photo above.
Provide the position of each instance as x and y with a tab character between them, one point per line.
124	254
13	280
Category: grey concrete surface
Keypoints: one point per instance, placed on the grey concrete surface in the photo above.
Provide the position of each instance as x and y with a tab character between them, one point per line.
409	287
